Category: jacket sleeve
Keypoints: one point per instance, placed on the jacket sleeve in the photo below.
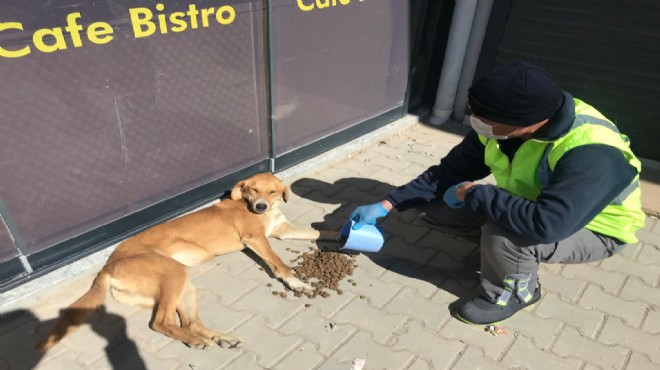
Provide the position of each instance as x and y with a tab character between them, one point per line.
585	180
465	162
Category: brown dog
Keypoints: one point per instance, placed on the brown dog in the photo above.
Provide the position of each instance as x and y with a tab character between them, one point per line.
150	269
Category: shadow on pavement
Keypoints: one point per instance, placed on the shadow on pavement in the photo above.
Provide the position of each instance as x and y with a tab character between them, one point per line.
454	267
21	330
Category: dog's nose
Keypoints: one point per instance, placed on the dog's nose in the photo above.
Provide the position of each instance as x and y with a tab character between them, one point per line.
260	207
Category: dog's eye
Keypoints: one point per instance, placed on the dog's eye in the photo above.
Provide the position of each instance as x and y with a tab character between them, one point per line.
272	192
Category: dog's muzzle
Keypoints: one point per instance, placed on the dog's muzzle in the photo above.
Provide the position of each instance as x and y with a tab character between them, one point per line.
260	207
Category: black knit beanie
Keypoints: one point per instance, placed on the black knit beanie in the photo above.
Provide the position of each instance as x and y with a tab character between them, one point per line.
517	94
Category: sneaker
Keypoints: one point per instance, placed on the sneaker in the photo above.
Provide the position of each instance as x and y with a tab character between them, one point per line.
483	311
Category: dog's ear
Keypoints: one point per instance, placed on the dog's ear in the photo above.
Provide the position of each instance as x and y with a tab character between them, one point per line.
285	193
237	191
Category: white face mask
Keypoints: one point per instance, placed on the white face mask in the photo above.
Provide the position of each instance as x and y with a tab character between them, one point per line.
487	130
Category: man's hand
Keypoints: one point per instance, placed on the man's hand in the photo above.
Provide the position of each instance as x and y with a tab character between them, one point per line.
367	215
455	195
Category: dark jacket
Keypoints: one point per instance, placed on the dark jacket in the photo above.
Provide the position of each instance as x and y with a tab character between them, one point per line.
584	181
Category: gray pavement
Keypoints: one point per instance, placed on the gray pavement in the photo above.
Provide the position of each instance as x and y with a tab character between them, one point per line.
602	315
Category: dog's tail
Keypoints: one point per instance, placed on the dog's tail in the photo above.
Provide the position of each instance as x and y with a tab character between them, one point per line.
78	312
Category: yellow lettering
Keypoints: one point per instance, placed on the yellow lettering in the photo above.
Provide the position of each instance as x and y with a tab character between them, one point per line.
141	21
56	33
13	53
305	8
205	16
345	2
220	15
73	28
179	24
322	4
192	14
100	33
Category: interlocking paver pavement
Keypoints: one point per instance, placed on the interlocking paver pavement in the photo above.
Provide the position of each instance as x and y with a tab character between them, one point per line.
603	315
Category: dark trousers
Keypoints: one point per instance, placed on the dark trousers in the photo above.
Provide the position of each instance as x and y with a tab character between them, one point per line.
510	262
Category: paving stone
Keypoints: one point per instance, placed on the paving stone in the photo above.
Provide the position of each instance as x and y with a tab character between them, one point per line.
413	276
247	361
631	251
362	315
391	163
18	342
304	357
554	268
637	290
409	304
405	251
568	289
375	291
640	361
219	317
524	355
369	266
631	312
128	356
540	331
326	334
361	166
458	249
650	255
420	364
413	170
648	273
571	344
453	290
414	338
409	234
473	358
328	307
227	286
653	224
615	332
278	309
65	361
199	359
269	344
650	237
586	321
494	347
611	281
90	340
377	356
138	330
652	321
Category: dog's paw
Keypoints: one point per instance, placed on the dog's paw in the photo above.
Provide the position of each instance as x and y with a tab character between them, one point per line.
297	285
201	343
228	341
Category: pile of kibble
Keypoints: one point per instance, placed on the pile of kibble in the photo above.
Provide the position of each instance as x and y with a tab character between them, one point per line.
323	271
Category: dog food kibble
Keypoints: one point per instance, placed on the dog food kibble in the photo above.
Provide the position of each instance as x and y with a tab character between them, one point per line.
283	294
323	271
307	305
269	285
275	293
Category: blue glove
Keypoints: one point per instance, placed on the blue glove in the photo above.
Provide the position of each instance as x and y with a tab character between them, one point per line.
450	196
367	215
